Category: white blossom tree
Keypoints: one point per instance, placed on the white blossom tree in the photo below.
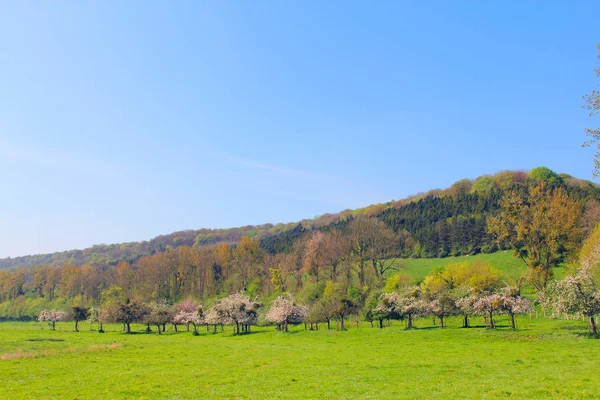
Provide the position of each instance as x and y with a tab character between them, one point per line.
513	304
239	310
407	305
159	314
412	305
487	306
577	294
443	306
285	311
53	316
465	305
212	318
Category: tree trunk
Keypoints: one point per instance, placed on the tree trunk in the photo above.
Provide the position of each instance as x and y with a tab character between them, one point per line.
512	321
593	326
441	322
466	321
76	326
492	325
158	328
328	324
342	326
128	327
101	330
175	327
380	323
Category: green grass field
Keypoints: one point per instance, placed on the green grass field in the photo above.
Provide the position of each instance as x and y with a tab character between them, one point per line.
543	359
511	266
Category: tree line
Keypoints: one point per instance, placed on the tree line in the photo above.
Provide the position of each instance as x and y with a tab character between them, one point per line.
455	290
538	217
442	223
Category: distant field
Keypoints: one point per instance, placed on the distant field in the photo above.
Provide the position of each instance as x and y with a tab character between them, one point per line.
512	266
544	359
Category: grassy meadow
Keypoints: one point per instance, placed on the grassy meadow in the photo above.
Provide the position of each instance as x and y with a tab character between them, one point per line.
418	268
543	359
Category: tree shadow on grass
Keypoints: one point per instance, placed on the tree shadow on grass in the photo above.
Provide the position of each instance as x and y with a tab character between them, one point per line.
588	335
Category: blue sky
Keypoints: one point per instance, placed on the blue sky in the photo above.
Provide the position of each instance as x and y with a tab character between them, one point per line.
120	121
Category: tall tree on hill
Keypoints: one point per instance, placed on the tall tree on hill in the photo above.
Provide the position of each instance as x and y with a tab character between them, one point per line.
373	243
540	225
338	250
315	254
592	104
247	255
222	265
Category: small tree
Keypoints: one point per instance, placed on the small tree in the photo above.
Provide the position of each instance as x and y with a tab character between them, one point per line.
387	308
93	317
513	304
128	312
188	312
411	305
52	316
159	314
212	318
285	311
345	306
577	294
487	306
237	309
465	305
443	306
79	314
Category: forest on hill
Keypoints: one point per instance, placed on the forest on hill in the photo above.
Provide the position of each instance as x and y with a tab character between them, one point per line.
441	223
542	216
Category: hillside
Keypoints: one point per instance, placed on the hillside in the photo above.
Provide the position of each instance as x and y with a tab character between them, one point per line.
442	223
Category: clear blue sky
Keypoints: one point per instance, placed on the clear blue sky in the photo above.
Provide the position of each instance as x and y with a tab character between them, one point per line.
120	122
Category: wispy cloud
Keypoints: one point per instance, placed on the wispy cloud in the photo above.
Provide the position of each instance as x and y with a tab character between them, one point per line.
340	191
53	158
275	168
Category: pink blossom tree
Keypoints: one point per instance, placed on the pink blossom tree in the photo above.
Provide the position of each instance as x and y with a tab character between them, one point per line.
488	305
513	304
239	310
443	306
185	313
465	305
52	316
285	311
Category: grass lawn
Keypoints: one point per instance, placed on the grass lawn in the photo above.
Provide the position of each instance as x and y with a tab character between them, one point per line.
511	266
543	359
